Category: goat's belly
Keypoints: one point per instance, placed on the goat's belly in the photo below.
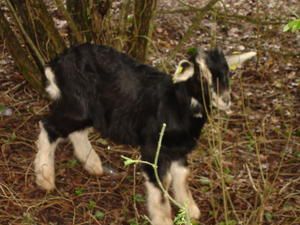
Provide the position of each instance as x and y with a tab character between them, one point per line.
124	137
123	132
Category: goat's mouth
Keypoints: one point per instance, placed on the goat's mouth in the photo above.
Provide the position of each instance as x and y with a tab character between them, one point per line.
222	103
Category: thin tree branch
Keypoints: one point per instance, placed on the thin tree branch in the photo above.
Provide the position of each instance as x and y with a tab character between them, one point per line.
256	21
195	22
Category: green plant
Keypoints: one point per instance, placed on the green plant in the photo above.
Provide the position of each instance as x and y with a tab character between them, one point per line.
72	163
292	26
230	222
79	191
139	198
91	204
99	215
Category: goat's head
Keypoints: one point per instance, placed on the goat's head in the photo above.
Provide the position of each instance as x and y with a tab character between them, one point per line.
210	69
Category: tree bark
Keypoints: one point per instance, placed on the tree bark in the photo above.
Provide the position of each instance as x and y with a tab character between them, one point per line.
123	28
79	10
99	9
25	65
34	31
143	15
43	16
75	31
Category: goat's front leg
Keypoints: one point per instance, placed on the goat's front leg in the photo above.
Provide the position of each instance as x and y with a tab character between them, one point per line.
182	194
158	204
85	152
44	160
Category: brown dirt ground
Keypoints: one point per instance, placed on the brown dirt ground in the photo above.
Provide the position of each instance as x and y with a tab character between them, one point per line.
260	146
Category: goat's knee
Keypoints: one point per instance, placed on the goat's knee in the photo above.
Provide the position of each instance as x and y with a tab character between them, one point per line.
85	152
44	160
182	193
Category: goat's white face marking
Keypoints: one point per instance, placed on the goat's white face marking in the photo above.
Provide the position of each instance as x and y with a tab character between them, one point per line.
85	152
219	102
44	161
181	191
159	209
196	104
52	88
204	70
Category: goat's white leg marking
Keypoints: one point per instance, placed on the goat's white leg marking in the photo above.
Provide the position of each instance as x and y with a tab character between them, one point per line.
158	205
85	152
182	193
51	88
44	161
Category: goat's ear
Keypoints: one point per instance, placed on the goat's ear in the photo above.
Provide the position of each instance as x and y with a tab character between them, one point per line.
184	71
235	61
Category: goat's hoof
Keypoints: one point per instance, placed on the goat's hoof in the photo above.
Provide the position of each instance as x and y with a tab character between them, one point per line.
45	179
94	167
94	170
194	211
162	221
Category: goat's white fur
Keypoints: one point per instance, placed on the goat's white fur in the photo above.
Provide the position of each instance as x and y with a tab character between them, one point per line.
85	153
158	205
52	88
182	193
205	72
44	160
182	74
194	104
219	103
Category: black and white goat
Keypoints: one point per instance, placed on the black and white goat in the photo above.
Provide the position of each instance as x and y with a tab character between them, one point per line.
96	86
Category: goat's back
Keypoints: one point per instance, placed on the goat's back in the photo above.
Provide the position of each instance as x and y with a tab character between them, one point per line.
125	100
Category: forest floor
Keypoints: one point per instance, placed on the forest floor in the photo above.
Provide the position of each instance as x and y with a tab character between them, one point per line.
246	168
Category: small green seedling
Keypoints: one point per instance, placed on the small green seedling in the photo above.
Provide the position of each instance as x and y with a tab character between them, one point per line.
292	26
72	163
79	191
99	215
138	198
91	205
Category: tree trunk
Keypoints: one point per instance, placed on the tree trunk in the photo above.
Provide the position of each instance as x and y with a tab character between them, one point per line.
42	15
34	30
143	14
73	27
26	66
99	9
123	24
79	10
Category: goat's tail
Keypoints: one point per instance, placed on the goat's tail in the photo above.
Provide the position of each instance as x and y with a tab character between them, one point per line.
51	85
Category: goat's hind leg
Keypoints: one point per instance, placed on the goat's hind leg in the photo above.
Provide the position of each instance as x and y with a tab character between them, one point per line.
44	160
85	152
54	127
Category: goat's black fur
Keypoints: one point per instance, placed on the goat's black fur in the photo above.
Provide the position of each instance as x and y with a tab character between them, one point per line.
128	102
